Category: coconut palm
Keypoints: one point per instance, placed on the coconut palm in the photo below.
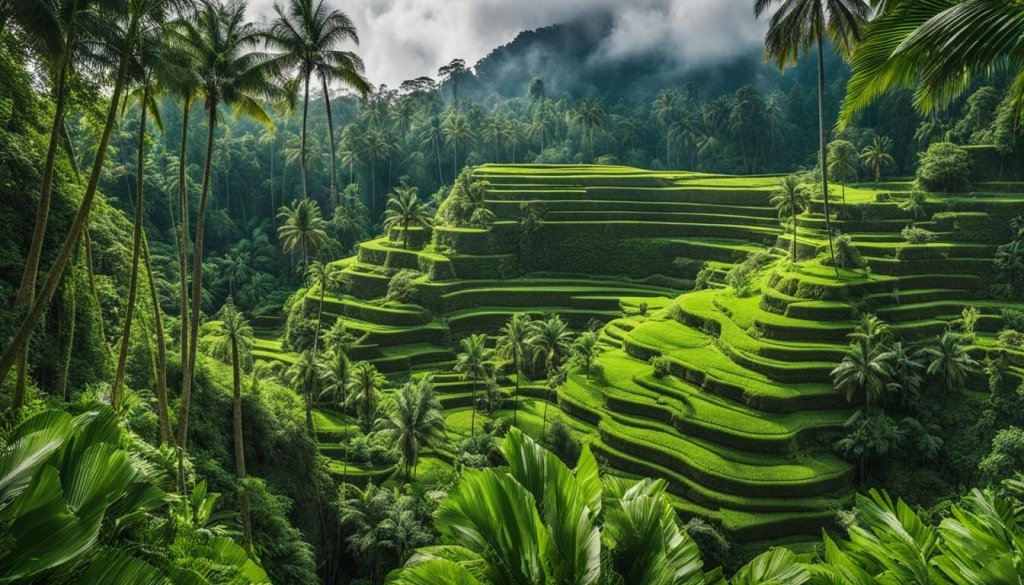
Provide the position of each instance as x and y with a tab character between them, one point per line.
949	362
513	345
222	51
475	361
333	369
308	34
232	341
664	110
842	164
405	209
590	115
796	26
876	157
302	375
122	32
863	371
365	384
413	420
458	133
303	228
536	521
906	370
585	348
790	200
551	341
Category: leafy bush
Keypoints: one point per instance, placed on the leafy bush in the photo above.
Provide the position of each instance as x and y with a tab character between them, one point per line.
847	254
401	287
714	547
704	277
1005	458
1011	338
945	167
916	235
477	452
561	442
741	277
661	366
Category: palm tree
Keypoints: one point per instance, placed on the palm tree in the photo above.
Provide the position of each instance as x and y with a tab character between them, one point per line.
122	31
475	362
864	370
457	133
949	362
302	375
405	209
162	409
333	369
664	110
585	348
221	49
790	200
512	345
304	228
365	384
795	26
906	370
233	341
308	34
540	127
414	420
590	115
876	156
842	164
536	521
551	341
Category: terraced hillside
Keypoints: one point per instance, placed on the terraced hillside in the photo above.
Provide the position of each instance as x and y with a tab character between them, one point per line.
742	422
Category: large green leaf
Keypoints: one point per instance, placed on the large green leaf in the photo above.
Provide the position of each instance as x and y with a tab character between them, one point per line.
434	572
778	566
112	567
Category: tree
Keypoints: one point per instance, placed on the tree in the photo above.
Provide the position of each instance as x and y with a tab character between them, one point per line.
590	115
413	420
794	27
221	49
664	110
842	164
302	375
790	200
405	209
876	156
945	167
232	341
308	33
457	133
550	341
513	345
365	384
585	348
949	362
134	20
450	74
863	371
537	522
303	228
905	370
475	361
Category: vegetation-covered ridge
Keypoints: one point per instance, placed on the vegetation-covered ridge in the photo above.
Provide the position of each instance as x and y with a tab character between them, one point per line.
726	391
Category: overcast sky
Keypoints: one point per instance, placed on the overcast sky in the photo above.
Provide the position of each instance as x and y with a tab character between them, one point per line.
403	39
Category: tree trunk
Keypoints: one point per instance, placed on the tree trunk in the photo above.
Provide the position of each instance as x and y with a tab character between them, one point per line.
472	418
24	331
197	280
133	284
91	277
824	149
236	419
72	282
316	348
302	149
162	411
794	234
183	231
515	407
330	131
437	152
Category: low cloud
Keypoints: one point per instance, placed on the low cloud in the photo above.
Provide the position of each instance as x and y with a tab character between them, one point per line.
403	39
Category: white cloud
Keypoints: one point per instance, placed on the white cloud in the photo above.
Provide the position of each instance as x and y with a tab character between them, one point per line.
402	39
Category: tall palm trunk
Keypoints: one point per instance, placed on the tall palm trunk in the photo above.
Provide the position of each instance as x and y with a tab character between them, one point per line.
302	148
133	284
162	411
183	227
437	153
236	419
72	284
330	132
794	234
824	148
91	278
53	277
472	418
27	288
316	348
515	405
197	277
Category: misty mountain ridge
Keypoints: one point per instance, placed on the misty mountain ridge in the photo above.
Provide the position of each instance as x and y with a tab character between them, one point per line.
572	60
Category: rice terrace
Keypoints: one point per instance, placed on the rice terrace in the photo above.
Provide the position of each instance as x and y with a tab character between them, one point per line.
286	297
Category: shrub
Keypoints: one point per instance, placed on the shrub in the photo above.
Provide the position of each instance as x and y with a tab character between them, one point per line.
1005	458
661	366
1013	319
401	287
498	427
704	277
944	167
477	452
714	547
1011	338
916	235
847	254
966	323
299	329
561	442
642	309
741	276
